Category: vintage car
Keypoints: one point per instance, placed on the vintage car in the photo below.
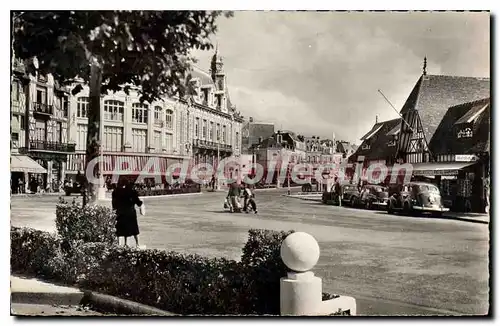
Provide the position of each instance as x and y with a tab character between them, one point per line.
415	198
348	191
372	196
74	188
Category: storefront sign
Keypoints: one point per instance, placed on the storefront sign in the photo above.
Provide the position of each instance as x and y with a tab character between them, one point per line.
466	158
436	172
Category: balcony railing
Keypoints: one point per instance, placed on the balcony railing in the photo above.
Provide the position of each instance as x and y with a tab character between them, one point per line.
42	145
205	144
43	108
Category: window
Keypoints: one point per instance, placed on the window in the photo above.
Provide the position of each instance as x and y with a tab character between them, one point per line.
205	96
157	141
224	134
219	102
158	116
197	128
113	110
41	95
40	130
211	131
64	106
15	90
139	113
169	122
237	143
204	129
81	140
82	107
218	133
58	132
465	133
139	140
113	139
169	142
22	122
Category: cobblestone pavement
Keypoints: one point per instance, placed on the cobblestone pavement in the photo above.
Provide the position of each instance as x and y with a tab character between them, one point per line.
391	264
27	309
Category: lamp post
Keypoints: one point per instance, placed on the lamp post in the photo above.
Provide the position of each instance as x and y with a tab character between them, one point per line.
217	185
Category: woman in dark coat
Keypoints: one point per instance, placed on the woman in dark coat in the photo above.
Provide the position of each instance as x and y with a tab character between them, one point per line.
124	199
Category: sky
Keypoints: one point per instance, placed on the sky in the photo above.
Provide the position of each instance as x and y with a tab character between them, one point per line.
318	73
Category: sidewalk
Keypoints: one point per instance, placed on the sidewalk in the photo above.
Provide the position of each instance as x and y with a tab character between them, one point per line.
31	296
469	217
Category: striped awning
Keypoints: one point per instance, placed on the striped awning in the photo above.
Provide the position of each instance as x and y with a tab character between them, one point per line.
434	169
22	163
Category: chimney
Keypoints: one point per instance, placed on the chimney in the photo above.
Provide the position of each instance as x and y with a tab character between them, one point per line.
260	140
376	118
250	119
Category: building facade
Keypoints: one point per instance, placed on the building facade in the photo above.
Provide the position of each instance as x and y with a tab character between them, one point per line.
254	132
39	131
49	128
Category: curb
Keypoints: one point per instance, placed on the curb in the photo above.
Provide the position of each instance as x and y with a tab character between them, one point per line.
303	198
100	302
37	195
108	303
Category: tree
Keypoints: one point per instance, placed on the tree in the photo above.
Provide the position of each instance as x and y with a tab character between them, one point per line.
113	51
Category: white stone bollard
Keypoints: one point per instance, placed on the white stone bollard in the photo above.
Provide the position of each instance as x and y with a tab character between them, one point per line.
301	292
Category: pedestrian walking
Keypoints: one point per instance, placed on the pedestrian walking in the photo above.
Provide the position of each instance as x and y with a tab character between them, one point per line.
124	200
249	198
338	191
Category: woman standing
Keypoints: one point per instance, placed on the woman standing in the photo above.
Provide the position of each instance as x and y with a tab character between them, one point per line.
124	199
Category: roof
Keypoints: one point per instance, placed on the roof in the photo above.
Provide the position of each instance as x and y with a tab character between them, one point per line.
434	94
445	139
376	127
394	131
379	148
202	75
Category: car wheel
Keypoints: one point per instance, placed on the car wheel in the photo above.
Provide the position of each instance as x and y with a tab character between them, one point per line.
68	193
389	208
406	209
352	202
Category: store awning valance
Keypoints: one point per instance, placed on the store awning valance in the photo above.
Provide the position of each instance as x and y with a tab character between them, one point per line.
22	163
432	169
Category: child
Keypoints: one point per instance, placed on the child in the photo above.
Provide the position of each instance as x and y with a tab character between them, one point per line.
249	200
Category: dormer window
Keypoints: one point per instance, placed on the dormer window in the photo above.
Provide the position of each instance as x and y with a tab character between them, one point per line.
465	133
393	141
365	146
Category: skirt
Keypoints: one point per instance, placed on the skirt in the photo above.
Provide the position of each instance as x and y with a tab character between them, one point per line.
127	227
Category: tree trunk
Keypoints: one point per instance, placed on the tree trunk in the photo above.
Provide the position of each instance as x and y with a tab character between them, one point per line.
93	131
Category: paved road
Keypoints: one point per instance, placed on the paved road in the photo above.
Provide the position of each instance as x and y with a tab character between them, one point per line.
392	265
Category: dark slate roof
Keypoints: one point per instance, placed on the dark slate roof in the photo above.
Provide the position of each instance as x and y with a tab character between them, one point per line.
434	94
374	129
445	139
379	148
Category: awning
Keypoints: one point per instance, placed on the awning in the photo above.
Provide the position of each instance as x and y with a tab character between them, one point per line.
431	169
21	163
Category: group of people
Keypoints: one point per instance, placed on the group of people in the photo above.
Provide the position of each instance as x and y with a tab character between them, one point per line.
236	192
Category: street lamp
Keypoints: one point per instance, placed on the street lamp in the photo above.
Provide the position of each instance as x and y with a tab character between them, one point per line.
217	186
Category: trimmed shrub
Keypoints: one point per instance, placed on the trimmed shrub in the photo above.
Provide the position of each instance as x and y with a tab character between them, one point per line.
92	223
34	252
261	256
182	284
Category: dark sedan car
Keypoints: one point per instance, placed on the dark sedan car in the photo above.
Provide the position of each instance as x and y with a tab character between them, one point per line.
415	198
372	196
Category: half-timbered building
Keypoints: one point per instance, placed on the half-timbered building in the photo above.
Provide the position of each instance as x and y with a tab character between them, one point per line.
39	129
463	139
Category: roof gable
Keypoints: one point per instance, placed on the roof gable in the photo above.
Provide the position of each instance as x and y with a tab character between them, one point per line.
434	94
376	127
379	148
445	139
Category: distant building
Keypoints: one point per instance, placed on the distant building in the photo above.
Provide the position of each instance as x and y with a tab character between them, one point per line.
253	132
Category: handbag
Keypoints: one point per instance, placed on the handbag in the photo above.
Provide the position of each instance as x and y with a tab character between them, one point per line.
142	209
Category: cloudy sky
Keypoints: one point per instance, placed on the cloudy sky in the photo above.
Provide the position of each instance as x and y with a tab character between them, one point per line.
318	72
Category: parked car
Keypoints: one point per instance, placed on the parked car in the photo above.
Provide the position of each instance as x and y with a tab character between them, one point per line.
74	188
376	197
415	198
349	194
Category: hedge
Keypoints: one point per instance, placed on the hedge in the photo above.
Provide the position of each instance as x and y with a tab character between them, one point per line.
182	284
